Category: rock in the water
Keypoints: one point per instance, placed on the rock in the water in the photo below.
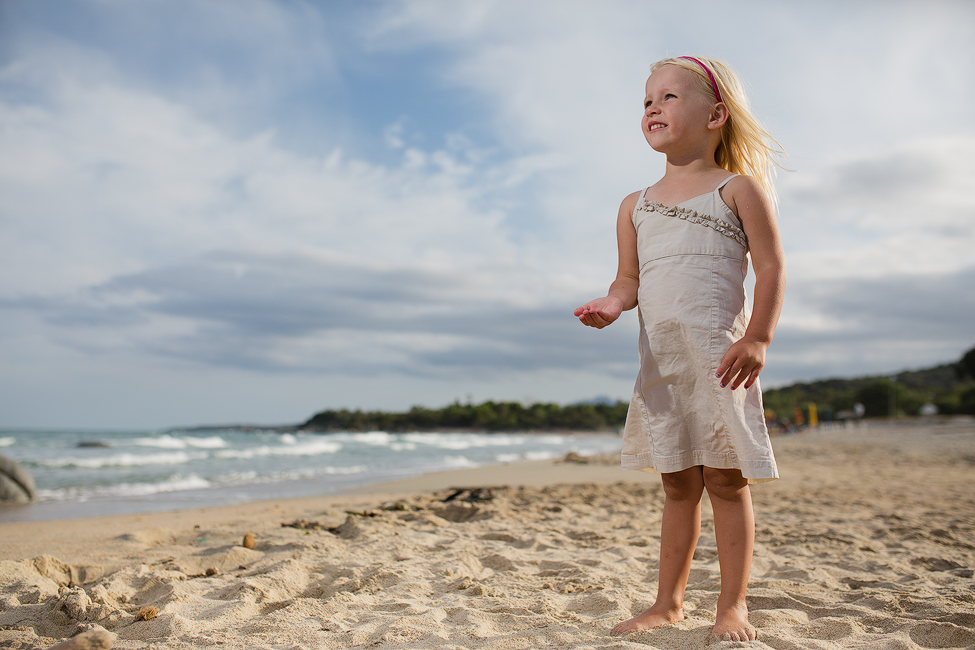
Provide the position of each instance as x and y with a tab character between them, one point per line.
16	484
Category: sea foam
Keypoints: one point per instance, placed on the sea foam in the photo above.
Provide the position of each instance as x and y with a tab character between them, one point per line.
308	448
125	460
175	483
170	442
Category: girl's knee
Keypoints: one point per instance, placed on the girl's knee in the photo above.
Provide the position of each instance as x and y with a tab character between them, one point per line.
727	484
684	485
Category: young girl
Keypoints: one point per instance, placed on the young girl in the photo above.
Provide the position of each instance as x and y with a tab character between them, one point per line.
696	415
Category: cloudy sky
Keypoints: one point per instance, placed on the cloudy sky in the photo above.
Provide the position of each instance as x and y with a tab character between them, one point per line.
249	211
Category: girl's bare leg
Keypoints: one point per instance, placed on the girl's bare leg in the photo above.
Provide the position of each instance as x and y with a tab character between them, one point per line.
734	531
679	531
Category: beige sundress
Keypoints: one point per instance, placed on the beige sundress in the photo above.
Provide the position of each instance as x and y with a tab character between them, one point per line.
692	307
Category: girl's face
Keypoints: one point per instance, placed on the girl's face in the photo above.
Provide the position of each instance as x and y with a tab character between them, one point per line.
676	112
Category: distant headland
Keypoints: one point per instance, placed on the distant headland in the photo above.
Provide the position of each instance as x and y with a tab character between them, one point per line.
946	389
597	415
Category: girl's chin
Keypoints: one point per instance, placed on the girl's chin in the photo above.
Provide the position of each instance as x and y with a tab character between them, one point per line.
657	148
652	138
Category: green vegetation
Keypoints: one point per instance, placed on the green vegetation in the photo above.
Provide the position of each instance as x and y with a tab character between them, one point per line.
489	416
950	387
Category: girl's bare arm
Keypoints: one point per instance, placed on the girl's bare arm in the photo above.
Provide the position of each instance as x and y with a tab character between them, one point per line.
745	359
622	293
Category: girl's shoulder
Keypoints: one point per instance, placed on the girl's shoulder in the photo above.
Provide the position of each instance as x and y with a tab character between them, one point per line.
743	183
743	191
629	203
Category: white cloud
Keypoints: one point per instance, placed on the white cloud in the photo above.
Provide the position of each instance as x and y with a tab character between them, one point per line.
101	180
903	211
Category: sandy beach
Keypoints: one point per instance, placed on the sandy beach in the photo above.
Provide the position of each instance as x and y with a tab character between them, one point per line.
867	541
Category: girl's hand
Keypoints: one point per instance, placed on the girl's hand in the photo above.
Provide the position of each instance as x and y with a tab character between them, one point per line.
600	312
743	362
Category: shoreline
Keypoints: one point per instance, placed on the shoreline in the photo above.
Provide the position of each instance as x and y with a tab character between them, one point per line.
865	542
18	538
322	468
603	470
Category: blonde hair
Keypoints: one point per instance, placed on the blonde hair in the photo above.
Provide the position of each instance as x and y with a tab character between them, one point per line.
745	147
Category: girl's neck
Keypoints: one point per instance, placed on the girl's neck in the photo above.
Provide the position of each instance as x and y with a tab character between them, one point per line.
691	167
685	181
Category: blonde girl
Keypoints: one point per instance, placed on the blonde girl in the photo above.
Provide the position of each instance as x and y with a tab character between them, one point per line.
696	415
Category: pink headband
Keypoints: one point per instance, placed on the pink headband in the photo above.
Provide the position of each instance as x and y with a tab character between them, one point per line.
714	84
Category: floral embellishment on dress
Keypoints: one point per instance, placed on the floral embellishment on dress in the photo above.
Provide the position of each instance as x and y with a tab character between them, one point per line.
726	229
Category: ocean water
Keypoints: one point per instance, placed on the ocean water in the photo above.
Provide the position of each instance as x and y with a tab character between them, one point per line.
92	473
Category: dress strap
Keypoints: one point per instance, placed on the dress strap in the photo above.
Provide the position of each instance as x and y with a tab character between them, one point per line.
723	183
639	202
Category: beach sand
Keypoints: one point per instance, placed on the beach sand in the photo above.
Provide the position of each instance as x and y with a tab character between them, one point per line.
867	541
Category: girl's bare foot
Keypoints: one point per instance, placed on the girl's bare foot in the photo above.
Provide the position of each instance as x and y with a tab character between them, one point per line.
653	617
732	625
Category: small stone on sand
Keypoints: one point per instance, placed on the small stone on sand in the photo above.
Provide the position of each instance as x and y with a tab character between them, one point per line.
248	541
